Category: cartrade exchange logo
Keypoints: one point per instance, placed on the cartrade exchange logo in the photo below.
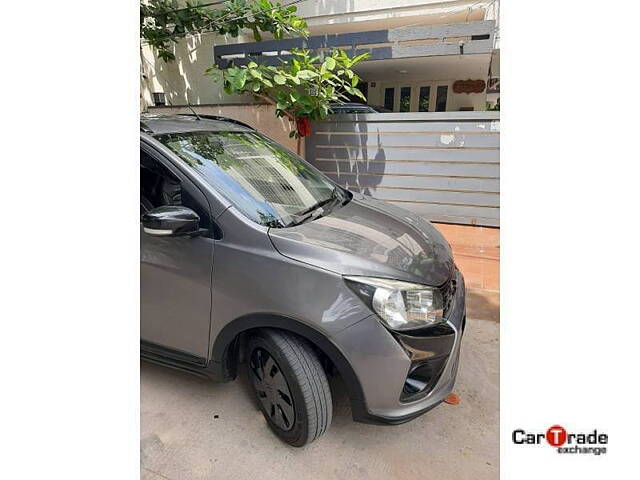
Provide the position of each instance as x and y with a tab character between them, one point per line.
557	437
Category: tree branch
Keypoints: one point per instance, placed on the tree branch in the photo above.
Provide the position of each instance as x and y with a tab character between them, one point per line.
270	100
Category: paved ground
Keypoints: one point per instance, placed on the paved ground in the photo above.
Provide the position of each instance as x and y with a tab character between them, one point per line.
195	429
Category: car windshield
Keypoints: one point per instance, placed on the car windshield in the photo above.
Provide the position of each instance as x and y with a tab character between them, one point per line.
268	184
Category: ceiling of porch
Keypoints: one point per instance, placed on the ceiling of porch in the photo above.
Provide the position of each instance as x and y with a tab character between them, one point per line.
445	67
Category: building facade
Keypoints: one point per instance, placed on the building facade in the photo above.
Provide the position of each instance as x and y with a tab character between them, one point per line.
426	55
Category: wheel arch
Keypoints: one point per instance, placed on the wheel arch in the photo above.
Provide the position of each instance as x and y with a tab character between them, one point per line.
225	351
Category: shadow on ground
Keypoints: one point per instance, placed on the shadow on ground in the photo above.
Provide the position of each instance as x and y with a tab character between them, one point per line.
483	305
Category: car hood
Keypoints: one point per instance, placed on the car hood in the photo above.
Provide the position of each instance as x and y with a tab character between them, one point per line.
373	238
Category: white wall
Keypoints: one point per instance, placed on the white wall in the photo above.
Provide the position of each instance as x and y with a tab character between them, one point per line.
183	80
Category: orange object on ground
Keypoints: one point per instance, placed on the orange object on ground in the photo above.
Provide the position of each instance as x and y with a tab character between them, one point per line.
452	399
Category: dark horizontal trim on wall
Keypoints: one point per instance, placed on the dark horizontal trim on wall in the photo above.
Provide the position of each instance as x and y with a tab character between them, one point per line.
460	222
166	107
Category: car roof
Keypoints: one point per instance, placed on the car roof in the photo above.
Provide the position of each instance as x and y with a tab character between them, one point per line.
159	124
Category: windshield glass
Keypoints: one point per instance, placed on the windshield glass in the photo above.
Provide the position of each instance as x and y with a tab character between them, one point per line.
265	182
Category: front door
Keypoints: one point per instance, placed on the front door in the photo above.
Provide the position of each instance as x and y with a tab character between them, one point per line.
175	272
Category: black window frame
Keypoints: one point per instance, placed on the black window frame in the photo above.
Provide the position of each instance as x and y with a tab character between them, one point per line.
403	91
424	92
439	99
387	105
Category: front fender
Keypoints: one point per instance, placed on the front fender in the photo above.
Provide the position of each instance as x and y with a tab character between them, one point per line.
225	355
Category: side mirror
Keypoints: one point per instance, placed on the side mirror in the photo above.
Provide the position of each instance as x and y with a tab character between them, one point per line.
171	221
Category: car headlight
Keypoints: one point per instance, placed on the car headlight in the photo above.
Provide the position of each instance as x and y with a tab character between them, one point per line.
400	305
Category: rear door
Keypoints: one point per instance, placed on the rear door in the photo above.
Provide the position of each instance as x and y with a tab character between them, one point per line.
175	272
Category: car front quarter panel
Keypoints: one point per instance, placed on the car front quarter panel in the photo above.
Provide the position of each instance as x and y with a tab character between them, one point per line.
251	277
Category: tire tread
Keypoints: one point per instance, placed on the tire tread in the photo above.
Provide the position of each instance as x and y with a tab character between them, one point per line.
311	378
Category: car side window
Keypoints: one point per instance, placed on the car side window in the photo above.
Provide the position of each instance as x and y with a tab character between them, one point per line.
160	187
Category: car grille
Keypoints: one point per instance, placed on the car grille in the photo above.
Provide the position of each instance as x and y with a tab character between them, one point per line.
448	291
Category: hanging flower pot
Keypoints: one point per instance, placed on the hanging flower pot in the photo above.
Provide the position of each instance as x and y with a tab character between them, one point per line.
303	126
469	86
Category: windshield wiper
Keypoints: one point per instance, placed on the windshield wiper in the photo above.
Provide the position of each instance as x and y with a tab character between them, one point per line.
319	204
316	211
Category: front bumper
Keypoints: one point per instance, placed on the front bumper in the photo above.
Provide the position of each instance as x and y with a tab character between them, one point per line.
403	376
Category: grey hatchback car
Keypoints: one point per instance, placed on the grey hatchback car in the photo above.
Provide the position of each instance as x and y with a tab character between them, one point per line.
250	256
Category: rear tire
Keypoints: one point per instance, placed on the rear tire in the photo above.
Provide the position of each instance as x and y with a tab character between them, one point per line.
290	385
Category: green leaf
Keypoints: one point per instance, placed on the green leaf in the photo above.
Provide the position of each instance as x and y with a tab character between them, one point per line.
267	83
330	63
252	65
354	80
279	79
255	73
239	80
307	75
359	58
359	94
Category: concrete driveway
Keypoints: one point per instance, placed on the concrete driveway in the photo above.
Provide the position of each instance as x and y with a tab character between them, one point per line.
195	429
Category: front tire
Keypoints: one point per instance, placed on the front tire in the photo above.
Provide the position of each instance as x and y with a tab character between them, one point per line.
290	385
